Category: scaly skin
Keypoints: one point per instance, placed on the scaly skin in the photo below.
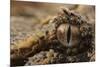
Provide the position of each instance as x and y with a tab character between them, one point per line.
52	40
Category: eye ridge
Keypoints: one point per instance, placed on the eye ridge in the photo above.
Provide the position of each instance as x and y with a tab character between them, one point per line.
69	34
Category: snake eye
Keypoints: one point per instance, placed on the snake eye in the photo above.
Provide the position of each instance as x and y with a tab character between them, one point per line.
68	35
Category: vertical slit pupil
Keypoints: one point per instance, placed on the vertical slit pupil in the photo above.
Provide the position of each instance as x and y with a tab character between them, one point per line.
68	34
